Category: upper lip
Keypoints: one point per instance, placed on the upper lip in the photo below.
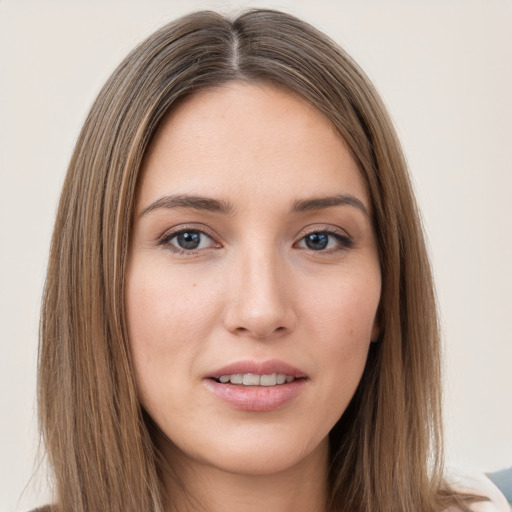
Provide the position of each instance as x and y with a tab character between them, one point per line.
258	368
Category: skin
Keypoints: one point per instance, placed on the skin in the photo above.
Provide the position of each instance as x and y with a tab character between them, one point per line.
252	290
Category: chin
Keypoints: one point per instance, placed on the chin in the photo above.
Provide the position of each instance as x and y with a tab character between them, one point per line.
253	463
261	454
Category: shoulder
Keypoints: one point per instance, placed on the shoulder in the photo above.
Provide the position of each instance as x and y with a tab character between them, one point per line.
478	483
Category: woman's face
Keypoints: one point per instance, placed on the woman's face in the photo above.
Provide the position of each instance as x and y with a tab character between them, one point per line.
253	262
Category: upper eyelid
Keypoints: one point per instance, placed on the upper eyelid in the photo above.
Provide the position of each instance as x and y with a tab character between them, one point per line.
341	238
170	233
319	228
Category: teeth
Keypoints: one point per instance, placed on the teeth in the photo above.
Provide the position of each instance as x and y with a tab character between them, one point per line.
250	379
268	380
236	378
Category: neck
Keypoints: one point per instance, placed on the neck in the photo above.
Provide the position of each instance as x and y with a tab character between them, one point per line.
203	487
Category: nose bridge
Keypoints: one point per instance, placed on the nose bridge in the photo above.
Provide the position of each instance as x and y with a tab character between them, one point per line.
260	305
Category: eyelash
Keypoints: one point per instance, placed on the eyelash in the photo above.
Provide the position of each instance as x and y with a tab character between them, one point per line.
344	240
168	236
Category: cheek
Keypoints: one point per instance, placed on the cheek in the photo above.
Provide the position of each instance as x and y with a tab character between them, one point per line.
344	309
163	305
341	323
166	325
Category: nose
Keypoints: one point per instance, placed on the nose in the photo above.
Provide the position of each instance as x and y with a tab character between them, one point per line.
260	301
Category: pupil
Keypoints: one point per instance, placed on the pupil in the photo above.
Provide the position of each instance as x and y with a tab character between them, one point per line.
189	240
317	241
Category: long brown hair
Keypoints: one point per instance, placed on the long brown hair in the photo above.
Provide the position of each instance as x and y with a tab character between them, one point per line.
386	449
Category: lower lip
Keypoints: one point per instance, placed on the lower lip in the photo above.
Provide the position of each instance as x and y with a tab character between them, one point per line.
256	398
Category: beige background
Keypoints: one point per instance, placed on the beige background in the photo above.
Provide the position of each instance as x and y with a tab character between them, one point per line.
444	69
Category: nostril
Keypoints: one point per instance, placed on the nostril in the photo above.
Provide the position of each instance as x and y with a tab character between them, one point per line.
259	320
260	333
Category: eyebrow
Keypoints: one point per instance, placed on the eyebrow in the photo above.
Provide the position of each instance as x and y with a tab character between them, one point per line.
320	203
202	203
194	202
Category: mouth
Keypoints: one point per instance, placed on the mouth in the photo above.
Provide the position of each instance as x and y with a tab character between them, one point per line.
257	386
257	373
251	379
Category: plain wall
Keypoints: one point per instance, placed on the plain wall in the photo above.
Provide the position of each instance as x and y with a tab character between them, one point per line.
444	68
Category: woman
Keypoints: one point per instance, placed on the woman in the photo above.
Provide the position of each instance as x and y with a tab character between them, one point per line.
239	310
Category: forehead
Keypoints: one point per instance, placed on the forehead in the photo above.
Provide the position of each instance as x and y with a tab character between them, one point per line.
248	139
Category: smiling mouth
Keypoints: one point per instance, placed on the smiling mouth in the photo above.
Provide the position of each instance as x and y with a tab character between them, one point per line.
252	379
254	386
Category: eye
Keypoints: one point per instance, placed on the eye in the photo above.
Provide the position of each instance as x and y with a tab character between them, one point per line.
188	241
326	241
